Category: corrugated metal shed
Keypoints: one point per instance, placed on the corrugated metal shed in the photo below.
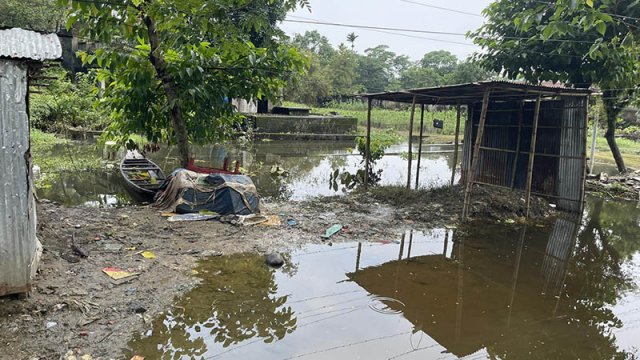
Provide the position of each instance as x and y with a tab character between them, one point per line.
19	247
17	219
29	45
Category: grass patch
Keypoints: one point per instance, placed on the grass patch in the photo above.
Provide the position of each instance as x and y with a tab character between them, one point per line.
399	195
396	119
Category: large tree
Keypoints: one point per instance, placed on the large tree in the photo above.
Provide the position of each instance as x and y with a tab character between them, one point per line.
578	42
39	15
183	60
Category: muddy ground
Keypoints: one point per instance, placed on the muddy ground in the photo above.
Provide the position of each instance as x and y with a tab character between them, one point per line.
626	186
75	307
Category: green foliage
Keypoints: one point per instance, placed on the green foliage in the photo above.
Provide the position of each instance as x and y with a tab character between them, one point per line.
339	73
39	15
394	119
63	104
574	42
171	66
380	141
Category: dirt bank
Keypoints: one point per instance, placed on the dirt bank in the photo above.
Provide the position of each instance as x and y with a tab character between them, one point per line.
76	307
625	186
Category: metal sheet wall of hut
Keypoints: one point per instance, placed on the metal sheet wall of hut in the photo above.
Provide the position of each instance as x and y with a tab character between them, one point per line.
559	164
18	243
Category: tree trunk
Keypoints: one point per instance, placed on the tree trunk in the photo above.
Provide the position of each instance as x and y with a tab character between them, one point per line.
177	119
613	104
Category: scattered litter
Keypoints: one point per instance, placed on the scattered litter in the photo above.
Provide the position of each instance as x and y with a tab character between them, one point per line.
208	253
192	217
195	272
148	255
112	247
132	248
272	220
70	258
253	219
124	216
117	274
168	214
137	308
80	251
77	226
292	222
509	221
51	324
332	231
137	357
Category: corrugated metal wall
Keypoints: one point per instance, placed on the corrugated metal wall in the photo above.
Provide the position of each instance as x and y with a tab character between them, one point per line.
17	207
559	165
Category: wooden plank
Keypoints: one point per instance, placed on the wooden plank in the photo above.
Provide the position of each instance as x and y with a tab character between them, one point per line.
367	152
474	162
532	155
457	143
517	155
420	145
413	113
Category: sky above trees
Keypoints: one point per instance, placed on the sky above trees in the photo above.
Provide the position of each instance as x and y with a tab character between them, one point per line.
396	14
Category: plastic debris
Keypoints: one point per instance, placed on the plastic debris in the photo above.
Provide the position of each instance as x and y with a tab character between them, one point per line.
192	217
332	231
117	274
51	324
292	222
272	220
148	255
137	357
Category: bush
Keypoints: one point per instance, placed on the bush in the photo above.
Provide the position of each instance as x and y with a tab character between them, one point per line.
63	104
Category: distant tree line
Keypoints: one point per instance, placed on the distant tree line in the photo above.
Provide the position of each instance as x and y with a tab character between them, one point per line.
338	73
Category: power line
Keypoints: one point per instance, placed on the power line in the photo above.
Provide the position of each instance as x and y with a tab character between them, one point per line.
398	34
441	8
376	27
369	27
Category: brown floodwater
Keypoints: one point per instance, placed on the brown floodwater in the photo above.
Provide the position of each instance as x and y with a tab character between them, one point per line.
565	289
309	166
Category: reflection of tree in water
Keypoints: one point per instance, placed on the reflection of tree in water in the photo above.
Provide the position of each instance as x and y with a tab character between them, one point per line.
236	302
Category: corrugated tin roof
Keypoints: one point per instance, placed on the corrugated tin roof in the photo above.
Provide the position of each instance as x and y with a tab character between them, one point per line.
25	44
473	92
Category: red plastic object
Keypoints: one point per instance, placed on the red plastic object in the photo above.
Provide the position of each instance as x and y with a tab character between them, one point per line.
209	170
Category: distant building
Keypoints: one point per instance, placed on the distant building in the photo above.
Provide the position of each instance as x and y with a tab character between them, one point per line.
21	54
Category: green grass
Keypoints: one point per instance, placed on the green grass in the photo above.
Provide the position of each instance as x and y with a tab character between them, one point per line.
630	150
396	119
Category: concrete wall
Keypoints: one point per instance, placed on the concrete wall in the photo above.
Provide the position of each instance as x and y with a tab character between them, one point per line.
19	248
268	123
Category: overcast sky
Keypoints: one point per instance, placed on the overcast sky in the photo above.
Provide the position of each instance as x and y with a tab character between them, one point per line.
404	14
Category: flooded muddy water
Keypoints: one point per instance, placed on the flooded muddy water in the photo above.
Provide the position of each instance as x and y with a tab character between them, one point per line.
309	166
565	289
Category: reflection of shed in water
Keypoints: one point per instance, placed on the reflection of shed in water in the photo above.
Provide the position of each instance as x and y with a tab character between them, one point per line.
505	297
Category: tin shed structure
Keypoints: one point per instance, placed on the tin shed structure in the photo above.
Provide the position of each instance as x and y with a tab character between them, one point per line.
518	136
20	51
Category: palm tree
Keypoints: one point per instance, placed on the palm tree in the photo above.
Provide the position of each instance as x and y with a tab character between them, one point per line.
352	39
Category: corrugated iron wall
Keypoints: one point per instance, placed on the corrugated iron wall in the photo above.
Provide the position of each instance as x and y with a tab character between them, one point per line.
559	165
17	206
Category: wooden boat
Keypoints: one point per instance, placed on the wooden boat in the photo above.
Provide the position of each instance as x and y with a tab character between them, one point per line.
210	170
141	175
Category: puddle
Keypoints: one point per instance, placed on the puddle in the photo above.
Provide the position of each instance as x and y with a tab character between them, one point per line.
309	165
481	291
